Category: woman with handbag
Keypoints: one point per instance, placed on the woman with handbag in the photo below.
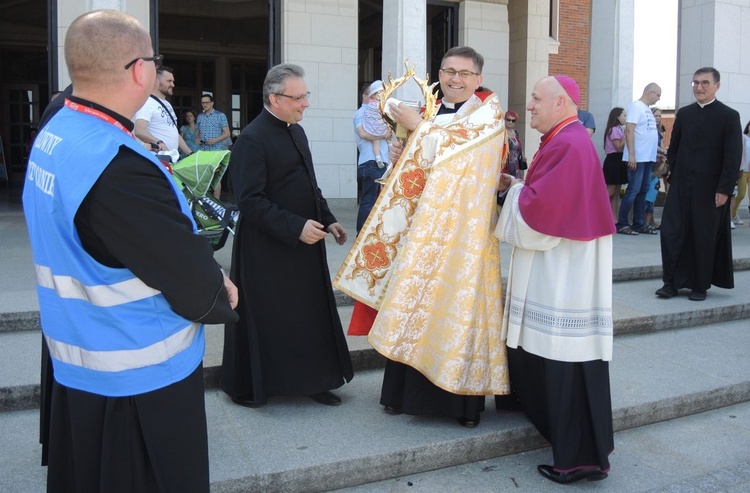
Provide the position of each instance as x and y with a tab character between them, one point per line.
615	170
516	164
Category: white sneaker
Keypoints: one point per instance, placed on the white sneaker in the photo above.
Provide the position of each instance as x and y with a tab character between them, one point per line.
738	221
731	224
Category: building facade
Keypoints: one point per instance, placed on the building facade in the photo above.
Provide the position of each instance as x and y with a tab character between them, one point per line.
226	46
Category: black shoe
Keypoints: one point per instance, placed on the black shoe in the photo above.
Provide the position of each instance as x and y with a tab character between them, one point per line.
393	410
326	398
666	291
468	423
696	295
570	477
246	401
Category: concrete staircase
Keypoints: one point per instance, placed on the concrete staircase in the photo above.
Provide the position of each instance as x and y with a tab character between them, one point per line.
673	359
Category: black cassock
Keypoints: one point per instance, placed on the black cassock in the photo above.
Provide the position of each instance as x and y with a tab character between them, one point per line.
704	154
289	339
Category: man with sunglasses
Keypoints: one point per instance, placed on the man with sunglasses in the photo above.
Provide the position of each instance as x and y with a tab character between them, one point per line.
289	340
124	325
704	157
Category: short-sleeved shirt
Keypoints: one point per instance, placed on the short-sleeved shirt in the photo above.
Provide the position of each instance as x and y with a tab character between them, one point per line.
615	134
211	126
364	145
587	119
646	137
161	121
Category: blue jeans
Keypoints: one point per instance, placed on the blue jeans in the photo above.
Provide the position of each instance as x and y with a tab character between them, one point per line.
635	195
368	172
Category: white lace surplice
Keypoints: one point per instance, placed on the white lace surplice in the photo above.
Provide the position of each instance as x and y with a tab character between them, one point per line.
558	303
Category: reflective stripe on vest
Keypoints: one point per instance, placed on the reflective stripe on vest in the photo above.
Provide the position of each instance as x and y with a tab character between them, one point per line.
102	295
127	359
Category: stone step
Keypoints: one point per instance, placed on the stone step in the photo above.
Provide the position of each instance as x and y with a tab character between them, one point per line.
294	445
28	319
636	310
665	457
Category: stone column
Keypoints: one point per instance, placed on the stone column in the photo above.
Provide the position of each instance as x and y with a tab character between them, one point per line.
484	27
529	61
69	10
714	33
405	36
611	65
321	37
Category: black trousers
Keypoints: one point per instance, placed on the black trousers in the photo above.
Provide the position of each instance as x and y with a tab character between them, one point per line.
152	442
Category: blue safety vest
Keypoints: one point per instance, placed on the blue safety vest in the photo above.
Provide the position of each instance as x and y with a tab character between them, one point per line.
108	332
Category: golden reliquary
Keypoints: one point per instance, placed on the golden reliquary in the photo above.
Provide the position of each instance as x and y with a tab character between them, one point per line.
385	98
430	106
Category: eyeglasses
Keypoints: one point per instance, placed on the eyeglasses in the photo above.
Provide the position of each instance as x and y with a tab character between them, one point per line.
464	74
296	98
206	102
702	83
157	59
511	120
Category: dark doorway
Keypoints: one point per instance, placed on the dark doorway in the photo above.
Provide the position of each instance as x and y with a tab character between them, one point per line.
24	87
442	35
442	32
219	47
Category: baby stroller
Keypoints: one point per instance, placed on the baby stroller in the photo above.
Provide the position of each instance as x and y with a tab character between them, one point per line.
197	175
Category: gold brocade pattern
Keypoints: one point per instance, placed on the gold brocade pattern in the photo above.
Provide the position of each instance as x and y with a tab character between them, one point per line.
366	271
440	304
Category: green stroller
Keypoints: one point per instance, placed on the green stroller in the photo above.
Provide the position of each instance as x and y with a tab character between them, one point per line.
197	175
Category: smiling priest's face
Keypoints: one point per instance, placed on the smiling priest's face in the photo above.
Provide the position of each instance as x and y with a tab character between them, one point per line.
290	105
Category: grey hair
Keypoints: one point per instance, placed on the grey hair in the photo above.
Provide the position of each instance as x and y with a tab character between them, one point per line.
276	79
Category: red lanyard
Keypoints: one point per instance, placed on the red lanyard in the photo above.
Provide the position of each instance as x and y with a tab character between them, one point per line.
103	116
93	112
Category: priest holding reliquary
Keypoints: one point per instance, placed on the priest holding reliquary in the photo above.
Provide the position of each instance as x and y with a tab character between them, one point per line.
426	262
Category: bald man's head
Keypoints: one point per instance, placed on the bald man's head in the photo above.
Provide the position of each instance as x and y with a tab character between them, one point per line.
100	43
651	93
549	104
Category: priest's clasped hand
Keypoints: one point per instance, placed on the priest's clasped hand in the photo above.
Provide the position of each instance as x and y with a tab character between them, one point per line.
312	233
338	232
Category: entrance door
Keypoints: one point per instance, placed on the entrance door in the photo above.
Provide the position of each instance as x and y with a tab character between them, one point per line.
20	114
443	28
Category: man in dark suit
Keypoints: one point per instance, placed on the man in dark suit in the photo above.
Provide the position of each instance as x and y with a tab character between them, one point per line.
704	155
289	339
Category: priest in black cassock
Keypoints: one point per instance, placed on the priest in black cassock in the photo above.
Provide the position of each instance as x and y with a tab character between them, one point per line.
289	339
704	155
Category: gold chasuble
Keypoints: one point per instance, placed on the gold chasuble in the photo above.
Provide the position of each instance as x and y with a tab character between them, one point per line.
427	259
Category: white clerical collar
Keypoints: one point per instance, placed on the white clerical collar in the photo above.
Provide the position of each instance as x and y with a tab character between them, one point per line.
706	104
448	105
269	110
